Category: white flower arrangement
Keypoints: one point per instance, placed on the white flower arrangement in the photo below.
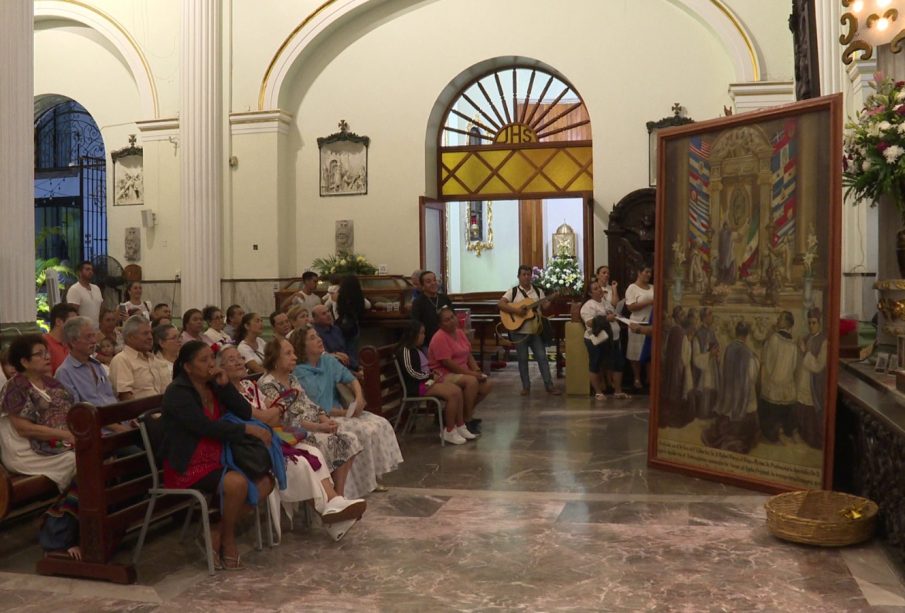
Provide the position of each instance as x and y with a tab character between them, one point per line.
561	275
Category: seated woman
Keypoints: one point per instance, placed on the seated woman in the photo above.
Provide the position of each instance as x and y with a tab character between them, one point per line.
419	381
303	481
108	327
194	437
35	439
167	342
249	341
280	386
298	319
192	325
450	358
216	322
319	373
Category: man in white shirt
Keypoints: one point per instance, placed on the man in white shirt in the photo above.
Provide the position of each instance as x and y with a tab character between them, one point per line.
529	334
306	296
86	295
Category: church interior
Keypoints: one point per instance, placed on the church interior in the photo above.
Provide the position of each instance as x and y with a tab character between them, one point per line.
698	202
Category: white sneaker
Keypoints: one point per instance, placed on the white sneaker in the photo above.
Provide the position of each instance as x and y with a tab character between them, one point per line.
453	436
340	529
465	433
340	509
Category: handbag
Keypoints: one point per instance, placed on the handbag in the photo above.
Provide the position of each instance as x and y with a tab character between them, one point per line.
546	331
251	456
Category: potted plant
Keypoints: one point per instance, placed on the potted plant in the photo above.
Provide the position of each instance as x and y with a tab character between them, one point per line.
873	159
874	171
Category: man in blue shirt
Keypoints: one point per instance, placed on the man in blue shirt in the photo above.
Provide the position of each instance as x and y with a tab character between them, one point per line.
80	373
334	341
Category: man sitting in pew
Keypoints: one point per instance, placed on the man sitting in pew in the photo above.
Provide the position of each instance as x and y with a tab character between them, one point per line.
81	374
332	336
135	371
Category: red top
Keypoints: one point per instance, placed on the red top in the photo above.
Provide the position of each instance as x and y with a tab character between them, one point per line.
446	346
205	459
58	352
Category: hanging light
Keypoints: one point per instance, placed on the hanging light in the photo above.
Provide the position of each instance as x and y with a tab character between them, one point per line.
871	23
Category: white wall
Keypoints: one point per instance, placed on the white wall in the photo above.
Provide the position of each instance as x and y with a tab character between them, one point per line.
624	82
494	269
382	70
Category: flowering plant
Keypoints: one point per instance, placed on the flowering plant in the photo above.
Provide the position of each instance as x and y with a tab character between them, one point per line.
562	275
344	264
873	159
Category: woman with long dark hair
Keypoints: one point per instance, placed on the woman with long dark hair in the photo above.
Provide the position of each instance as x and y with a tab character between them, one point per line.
351	305
249	342
194	436
420	381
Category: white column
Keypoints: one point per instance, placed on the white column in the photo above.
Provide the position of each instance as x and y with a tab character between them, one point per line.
201	152
17	189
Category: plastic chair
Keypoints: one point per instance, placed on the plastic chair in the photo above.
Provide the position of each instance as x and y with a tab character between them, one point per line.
420	404
197	497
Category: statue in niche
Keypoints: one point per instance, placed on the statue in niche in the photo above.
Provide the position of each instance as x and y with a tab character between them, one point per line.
345	236
133	245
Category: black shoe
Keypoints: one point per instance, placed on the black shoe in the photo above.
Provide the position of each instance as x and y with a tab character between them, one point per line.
474	426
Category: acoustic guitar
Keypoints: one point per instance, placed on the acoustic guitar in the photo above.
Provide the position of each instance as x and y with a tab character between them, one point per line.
514	321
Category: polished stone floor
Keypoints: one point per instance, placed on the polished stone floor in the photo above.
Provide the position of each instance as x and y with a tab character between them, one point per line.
552	509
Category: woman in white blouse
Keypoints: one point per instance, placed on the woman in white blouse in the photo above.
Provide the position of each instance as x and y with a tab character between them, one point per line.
639	299
216	322
250	344
134	305
605	360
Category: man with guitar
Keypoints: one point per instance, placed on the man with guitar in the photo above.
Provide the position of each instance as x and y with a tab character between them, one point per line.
520	313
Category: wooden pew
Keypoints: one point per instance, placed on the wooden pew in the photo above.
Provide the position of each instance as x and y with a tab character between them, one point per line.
22	493
381	385
112	491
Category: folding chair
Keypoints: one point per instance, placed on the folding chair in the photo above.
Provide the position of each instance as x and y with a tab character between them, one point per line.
422	404
156	492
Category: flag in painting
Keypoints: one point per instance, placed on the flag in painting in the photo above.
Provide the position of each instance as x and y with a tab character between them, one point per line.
699	194
784	168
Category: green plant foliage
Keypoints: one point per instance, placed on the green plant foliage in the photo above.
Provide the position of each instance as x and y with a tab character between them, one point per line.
344	264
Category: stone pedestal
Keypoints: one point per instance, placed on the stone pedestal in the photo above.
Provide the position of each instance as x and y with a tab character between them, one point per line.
17	229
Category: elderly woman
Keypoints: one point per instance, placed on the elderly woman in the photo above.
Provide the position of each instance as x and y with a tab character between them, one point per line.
251	345
304	482
192	326
450	357
298	319
194	436
319	373
167	342
108	327
280	387
34	437
216	324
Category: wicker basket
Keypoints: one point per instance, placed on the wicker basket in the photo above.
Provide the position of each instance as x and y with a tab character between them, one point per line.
820	517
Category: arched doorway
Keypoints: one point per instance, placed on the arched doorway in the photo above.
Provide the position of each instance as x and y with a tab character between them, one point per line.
70	182
514	162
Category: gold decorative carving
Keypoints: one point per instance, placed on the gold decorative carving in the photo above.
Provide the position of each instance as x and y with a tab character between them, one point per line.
479	246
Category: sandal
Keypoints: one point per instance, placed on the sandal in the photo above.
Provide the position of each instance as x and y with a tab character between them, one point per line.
621	396
215	555
233	563
599	396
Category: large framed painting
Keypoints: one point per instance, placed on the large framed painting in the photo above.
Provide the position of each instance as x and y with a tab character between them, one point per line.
747	297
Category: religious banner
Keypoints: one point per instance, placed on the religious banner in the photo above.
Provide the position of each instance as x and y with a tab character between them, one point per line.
747	296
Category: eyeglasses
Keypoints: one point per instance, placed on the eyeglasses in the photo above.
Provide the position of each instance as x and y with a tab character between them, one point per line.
172	338
40	354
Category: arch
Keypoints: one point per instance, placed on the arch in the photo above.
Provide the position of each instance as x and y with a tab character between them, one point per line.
119	37
713	14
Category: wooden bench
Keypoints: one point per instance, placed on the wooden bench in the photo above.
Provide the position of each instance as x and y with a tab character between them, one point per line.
20	494
113	491
381	385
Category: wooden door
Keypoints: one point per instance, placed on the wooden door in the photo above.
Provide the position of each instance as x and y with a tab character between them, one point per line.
432	217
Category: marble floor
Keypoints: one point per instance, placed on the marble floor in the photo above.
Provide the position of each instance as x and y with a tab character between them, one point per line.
552	509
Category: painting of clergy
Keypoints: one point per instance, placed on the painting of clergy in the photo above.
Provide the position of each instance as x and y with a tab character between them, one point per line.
747	279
